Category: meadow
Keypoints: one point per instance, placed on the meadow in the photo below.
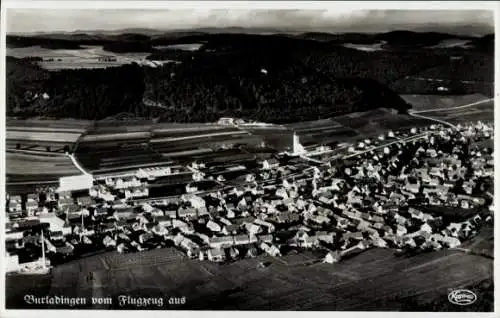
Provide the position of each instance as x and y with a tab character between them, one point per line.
354	126
373	280
429	102
481	112
28	168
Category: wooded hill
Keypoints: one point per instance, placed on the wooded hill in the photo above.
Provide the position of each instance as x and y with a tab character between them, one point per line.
274	78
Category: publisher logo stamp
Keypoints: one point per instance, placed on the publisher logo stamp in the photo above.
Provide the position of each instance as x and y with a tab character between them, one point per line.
462	297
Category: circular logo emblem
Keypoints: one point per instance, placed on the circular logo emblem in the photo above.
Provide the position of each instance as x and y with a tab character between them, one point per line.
462	297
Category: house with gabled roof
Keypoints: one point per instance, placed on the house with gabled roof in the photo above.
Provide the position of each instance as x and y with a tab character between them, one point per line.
241	239
379	242
221	241
268	238
216	255
188	212
171	213
450	241
225	221
156	212
332	257
124	213
192	249
31	207
213	226
319	219
64	202
378	225
326	237
230	229
401	230
363	225
253	228
358	236
270	249
202	211
205	238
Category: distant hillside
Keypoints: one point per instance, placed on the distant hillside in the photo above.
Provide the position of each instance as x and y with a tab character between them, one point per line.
485	43
358	38
266	88
273	78
45	42
156	37
415	39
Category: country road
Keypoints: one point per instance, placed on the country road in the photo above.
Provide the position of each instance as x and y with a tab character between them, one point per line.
388	144
441	80
451	108
417	114
77	164
434	119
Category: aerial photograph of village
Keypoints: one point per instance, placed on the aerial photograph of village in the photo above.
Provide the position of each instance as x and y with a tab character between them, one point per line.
249	159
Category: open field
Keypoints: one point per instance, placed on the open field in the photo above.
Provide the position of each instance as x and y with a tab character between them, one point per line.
126	136
24	167
110	146
67	125
323	131
482	112
277	137
373	280
43	136
365	47
101	156
34	136
28	187
225	156
107	126
86	57
115	157
74	125
171	148
71	63
196	131
449	43
428	102
185	47
354	126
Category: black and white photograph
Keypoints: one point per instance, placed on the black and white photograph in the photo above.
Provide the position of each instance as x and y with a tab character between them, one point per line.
248	156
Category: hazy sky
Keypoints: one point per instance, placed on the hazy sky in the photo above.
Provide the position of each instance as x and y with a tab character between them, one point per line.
338	20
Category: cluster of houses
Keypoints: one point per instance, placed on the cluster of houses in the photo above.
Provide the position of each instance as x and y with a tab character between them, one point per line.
383	198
